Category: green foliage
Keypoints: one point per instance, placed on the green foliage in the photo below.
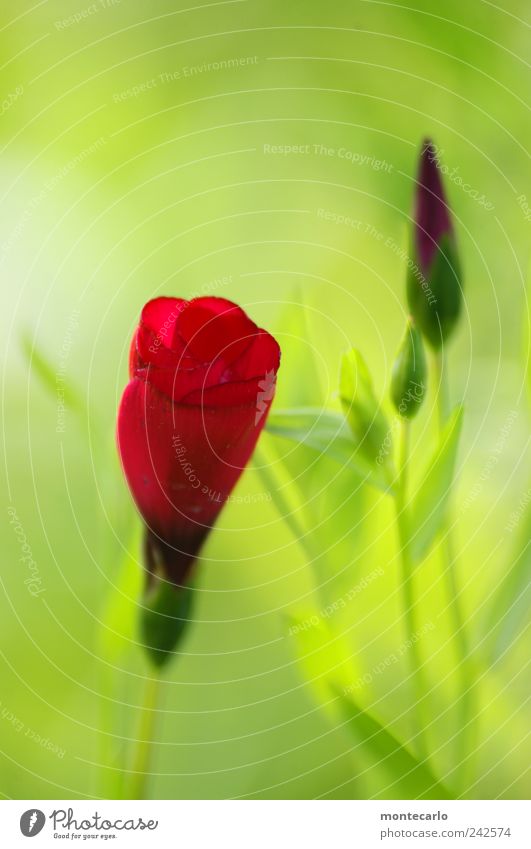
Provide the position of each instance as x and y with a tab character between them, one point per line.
323	657
526	332
428	505
508	610
326	663
179	198
326	432
408	776
302	378
362	409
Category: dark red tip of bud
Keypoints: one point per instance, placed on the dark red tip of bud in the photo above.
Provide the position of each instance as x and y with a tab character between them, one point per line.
434	284
432	217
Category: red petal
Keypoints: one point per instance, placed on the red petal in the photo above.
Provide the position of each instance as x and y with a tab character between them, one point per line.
261	357
156	332
174	337
160	316
133	355
214	327
242	394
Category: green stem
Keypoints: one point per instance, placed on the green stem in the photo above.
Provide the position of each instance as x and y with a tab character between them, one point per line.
408	594
465	744
111	754
144	742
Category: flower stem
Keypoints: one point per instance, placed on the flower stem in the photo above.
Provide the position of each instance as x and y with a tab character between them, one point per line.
407	580
465	667
143	744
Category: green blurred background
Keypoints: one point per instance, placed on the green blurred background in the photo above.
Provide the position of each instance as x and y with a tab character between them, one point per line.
137	160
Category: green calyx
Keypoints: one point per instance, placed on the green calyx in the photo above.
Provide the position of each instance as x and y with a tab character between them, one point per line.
164	617
362	409
408	380
435	295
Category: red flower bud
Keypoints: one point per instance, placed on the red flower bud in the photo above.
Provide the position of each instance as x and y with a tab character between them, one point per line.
434	285
432	216
202	381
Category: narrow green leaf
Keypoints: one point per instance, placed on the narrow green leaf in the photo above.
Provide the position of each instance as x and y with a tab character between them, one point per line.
327	665
324	658
509	610
369	426
272	484
510	606
526	332
302	377
326	432
414	778
429	504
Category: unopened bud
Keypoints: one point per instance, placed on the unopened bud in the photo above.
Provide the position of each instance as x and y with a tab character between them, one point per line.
434	284
408	380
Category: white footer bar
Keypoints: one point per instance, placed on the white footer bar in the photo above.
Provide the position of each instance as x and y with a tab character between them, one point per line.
267	824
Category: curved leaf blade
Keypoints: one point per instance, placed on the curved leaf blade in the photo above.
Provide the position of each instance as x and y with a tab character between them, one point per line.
414	777
428	507
325	432
362	409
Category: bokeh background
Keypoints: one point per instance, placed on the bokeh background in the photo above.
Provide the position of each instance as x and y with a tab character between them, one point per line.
147	149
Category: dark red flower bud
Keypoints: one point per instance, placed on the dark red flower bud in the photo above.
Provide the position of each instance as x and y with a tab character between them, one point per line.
202	381
434	285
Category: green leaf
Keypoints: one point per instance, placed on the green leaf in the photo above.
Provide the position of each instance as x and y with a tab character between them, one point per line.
526	333
369	426
323	657
428	507
411	777
326	432
302	373
324	504
326	662
509	610
288	510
